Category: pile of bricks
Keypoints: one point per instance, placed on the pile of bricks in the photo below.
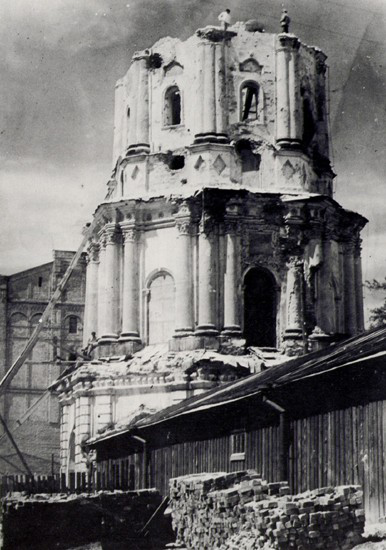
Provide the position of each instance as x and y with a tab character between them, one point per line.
242	511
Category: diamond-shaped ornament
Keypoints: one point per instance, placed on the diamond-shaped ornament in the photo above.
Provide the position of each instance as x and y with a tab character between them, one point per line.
288	170
219	164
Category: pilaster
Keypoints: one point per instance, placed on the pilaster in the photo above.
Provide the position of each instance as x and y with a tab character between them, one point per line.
231	276
213	122
111	287
359	286
294	332
139	135
91	303
288	130
207	275
130	299
183	277
350	291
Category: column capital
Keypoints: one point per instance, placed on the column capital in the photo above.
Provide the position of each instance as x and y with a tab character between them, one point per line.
232	225
130	232
207	225
215	34
295	262
184	226
93	252
111	233
288	41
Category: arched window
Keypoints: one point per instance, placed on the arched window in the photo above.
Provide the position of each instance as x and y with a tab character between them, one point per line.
260	308
172	108
161	308
73	325
250	161
250	101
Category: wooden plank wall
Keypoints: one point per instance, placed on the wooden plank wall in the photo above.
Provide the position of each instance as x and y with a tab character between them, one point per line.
336	448
343	447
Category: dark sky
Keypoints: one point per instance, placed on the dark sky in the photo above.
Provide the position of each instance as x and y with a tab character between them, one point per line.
59	64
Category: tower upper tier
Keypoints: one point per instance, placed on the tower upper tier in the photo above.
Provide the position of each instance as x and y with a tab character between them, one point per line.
225	107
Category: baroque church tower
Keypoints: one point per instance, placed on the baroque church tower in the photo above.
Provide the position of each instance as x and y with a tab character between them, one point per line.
219	240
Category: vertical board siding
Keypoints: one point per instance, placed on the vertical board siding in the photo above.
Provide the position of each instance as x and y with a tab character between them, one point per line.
341	448
335	448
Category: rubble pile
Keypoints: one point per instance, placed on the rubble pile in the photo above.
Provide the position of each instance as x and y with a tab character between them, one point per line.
242	511
71	520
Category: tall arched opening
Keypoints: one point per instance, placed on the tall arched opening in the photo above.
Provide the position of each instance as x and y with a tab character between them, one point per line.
260	308
161	308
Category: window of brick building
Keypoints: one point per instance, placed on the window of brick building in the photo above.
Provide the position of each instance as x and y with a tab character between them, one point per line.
73	325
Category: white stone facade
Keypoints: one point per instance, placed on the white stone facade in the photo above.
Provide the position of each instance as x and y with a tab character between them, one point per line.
219	230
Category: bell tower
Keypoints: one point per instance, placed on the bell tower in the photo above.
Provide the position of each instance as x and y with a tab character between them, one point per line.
219	239
221	174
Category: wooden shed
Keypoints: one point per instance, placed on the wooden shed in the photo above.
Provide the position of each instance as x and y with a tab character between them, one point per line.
316	420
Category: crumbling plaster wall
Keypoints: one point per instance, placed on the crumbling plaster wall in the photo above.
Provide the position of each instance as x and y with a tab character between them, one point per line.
249	57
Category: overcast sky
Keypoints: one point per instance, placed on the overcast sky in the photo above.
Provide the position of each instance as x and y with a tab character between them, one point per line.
59	63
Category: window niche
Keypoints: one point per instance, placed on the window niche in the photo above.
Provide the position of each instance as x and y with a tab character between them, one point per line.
250	161
160	308
251	102
172	107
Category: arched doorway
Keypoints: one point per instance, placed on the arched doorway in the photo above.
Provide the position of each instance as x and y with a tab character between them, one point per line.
161	309
260	308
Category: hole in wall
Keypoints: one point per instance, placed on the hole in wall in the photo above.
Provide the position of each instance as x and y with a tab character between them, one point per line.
176	162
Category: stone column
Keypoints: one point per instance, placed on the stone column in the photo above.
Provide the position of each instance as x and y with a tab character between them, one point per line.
207	277
101	285
91	304
293	334
183	279
294	95
350	303
359	287
209	91
83	424
133	99
119	108
231	279
130	299
143	105
111	287
221	101
207	94
288	131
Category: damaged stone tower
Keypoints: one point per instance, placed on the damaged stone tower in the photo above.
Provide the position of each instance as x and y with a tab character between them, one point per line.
219	230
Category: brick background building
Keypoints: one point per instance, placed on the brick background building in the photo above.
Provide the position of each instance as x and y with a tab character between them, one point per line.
24	297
